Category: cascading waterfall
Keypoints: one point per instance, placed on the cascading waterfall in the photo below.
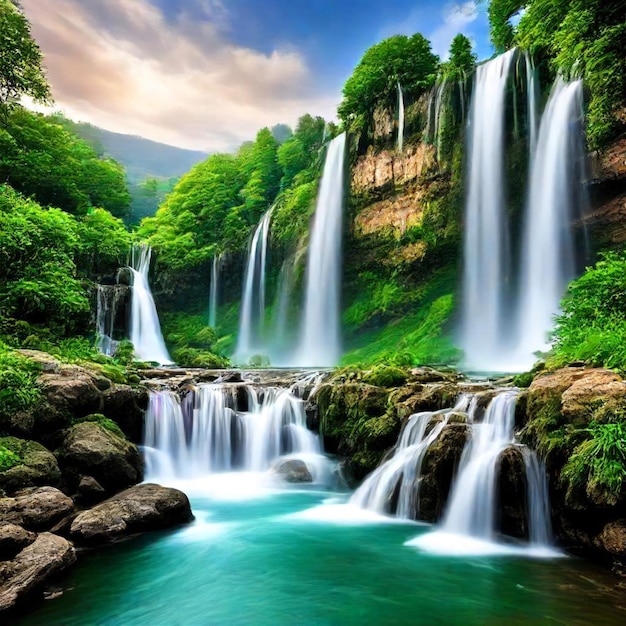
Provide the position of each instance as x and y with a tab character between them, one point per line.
401	473
400	140
320	335
548	258
145	329
532	91
214	289
215	428
108	299
484	327
252	316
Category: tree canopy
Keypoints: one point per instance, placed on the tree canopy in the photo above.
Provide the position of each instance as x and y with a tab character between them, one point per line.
21	72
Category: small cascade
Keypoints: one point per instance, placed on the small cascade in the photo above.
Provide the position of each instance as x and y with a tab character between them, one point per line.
252	316
400	140
145	329
472	505
320	334
400	476
216	266
548	259
225	427
108	300
484	324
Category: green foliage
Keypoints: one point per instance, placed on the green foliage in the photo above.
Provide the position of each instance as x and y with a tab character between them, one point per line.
599	463
8	459
21	72
101	420
592	325
37	272
194	357
40	158
461	59
18	382
523	380
407	60
583	38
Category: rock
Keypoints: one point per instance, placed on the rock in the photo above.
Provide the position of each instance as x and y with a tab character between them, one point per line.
138	509
511	490
89	491
292	470
125	405
612	539
13	539
92	450
71	390
27	574
36	508
39	466
438	470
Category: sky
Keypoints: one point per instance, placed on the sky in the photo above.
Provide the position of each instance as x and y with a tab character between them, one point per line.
208	74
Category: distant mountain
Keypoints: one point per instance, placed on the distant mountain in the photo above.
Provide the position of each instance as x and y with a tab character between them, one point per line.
141	157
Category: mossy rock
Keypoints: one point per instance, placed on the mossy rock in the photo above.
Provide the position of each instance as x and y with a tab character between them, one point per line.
103	421
386	376
27	464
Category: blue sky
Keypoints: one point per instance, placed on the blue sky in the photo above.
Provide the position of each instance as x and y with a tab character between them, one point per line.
206	74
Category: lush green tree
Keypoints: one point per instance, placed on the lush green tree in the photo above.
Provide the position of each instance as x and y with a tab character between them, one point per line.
462	60
407	60
301	151
21	73
501	30
40	158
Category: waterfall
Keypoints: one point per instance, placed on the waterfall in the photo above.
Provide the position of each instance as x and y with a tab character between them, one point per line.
108	299
472	505
252	316
400	140
486	250
532	91
548	258
216	266
145	330
225	427
401	474
320	334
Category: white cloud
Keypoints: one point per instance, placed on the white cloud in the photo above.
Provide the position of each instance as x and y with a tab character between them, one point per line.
120	65
456	17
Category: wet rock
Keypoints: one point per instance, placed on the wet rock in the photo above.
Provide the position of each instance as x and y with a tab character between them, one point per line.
511	490
292	470
27	574
39	466
71	390
612	539
13	539
438	470
89	491
92	450
138	509
36	508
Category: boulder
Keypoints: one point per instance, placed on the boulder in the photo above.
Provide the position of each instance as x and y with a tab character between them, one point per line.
439	468
71	390
125	405
612	539
92	450
135	510
13	539
292	470
511	493
36	508
27	574
39	466
89	491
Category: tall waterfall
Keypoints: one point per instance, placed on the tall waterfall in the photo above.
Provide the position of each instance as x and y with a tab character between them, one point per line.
400	140
226	427
252	315
145	329
108	300
216	266
320	334
484	325
532	93
548	259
